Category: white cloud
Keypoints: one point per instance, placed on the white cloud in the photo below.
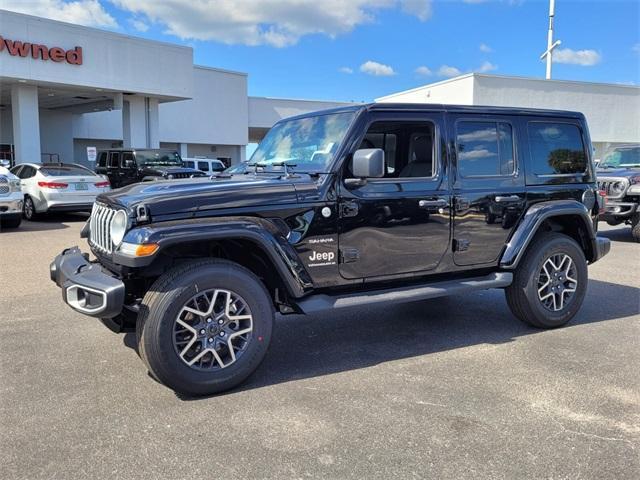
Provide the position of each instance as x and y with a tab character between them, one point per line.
278	23
79	12
377	69
139	25
485	48
586	58
419	8
346	70
423	71
487	67
448	71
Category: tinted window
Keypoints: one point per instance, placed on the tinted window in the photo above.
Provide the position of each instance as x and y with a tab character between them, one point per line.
17	171
102	159
65	170
409	147
188	164
484	148
204	166
27	172
158	158
556	149
114	160
128	161
217	166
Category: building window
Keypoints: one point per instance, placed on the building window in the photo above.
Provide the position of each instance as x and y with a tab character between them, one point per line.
484	149
556	149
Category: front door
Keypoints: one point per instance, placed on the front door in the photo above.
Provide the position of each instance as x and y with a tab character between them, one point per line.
113	170
489	187
398	224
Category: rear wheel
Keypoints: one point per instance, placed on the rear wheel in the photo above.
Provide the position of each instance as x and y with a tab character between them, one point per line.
205	326
29	209
550	282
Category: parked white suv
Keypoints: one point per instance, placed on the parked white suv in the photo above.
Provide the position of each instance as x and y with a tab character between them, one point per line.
10	200
207	165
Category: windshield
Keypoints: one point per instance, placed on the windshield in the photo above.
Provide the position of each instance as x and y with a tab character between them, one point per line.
623	157
309	143
152	158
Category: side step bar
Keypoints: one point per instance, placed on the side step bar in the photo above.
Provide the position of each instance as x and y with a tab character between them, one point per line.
318	302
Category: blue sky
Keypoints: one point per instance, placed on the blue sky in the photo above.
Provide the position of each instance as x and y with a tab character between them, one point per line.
362	49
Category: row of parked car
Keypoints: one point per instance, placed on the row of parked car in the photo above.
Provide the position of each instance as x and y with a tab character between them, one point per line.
32	189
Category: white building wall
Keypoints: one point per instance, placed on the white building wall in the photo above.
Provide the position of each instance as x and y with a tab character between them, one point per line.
455	91
265	111
612	111
56	135
98	125
218	114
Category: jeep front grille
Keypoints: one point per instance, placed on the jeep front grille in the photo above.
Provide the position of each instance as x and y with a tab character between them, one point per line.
100	227
5	188
613	187
181	175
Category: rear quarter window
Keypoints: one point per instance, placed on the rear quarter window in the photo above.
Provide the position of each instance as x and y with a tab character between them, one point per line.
557	152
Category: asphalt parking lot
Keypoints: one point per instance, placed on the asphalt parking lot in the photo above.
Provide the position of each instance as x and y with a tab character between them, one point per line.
448	388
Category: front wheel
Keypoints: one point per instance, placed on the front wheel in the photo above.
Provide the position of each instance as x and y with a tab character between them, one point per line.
29	209
204	326
549	283
635	227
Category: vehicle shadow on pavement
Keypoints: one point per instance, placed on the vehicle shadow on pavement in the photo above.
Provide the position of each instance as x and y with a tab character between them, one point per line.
622	234
351	339
52	221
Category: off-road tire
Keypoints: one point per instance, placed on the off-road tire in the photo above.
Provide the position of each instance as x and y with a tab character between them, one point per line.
635	227
522	294
163	302
11	222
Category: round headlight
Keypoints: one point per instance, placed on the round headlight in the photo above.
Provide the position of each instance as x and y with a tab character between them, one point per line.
118	227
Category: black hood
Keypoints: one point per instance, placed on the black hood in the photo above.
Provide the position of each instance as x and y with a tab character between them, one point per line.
187	198
618	172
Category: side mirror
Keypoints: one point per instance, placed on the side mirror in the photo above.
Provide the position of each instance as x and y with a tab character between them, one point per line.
368	163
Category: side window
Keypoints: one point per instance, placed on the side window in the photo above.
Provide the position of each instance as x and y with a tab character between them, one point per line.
556	149
114	160
27	172
102	159
128	161
17	171
204	166
409	147
484	149
188	163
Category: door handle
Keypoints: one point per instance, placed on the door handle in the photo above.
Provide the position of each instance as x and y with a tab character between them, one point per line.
440	203
507	198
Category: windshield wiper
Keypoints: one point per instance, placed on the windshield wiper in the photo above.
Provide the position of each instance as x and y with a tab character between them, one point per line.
285	167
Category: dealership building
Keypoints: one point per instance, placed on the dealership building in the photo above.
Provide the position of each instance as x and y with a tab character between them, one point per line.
67	90
612	111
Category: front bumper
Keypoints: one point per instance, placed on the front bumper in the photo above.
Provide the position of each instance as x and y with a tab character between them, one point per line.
86	287
11	205
603	245
618	210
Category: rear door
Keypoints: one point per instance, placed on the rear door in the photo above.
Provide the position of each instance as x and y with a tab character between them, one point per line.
113	169
489	186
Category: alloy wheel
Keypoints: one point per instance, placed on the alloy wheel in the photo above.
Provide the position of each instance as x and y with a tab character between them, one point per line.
557	282
28	208
212	330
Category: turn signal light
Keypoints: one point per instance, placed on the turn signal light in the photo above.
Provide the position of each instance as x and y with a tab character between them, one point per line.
102	184
52	185
146	249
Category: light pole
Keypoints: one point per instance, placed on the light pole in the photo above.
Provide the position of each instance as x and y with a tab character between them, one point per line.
550	43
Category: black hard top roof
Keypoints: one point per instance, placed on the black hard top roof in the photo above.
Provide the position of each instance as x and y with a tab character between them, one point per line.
439	107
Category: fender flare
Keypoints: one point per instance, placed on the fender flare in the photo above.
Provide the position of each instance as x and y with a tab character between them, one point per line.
262	232
534	217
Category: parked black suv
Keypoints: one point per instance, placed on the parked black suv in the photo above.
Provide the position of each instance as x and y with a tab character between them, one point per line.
345	207
619	179
125	166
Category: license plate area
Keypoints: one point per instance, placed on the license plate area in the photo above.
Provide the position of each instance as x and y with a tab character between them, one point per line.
82	186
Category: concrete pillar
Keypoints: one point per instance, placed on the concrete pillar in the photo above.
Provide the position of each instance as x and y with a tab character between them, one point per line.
153	122
26	123
134	122
183	150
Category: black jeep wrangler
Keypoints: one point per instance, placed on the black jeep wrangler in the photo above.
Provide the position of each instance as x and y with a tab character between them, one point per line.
619	181
124	166
345	207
